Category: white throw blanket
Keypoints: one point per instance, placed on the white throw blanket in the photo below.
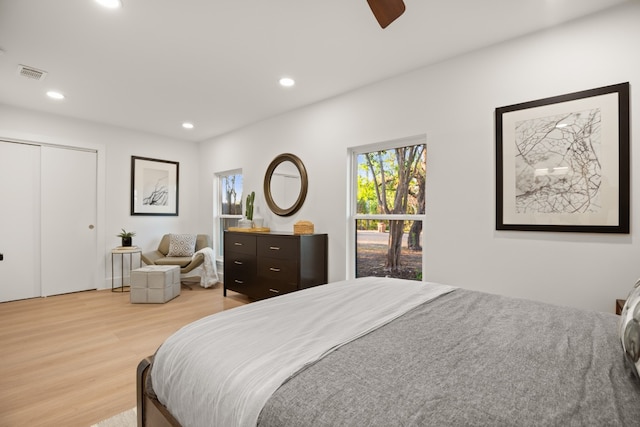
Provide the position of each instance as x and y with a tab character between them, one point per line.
209	276
222	369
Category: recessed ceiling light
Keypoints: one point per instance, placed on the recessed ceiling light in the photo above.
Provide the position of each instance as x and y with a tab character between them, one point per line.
287	82
187	125
55	95
111	4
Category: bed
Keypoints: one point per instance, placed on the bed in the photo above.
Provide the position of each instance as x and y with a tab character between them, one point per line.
387	352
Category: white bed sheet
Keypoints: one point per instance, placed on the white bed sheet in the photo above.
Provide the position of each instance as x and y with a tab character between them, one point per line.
221	370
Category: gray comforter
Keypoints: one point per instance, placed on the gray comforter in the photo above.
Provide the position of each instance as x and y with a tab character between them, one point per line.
469	358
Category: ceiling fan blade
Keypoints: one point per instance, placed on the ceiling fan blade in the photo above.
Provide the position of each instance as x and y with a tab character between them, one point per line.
386	11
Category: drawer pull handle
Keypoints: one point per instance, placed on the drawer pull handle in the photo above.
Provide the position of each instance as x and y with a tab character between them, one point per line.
239	282
237	243
237	262
274	248
274	291
274	269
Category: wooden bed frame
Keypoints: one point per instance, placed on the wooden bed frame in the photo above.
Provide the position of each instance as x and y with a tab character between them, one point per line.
534	348
151	413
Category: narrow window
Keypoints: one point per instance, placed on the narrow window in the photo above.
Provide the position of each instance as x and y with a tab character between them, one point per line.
389	209
229	204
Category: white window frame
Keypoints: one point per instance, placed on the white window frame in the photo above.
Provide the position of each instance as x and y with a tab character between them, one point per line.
217	208
352	193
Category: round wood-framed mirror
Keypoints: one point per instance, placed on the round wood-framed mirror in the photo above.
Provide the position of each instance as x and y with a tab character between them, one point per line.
285	184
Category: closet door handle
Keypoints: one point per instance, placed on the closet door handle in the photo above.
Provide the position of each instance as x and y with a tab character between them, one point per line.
274	269
275	291
274	248
239	282
237	243
237	262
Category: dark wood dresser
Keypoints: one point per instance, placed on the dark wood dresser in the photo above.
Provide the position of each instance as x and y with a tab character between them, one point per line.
263	265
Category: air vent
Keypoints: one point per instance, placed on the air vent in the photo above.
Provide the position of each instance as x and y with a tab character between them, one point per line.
31	73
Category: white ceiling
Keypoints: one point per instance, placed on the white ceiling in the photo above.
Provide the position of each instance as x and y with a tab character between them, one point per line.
156	63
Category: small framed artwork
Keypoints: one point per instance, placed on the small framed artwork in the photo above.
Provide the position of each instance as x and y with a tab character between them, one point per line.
154	186
562	163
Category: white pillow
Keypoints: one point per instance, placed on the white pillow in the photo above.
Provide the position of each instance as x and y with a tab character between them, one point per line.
630	329
182	244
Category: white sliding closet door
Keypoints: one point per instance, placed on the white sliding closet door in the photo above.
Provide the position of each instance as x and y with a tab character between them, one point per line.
19	221
68	236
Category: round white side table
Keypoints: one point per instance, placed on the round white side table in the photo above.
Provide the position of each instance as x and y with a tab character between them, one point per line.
122	251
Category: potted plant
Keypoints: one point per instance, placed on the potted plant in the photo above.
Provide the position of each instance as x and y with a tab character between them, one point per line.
247	221
249	212
126	237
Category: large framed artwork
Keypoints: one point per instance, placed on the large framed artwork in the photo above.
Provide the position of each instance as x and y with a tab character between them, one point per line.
154	186
562	163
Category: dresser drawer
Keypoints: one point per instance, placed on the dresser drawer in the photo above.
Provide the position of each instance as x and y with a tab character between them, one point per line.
240	243
248	288
277	247
279	270
240	265
273	289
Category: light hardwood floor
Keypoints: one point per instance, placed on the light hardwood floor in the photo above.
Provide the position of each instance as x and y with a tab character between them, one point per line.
70	360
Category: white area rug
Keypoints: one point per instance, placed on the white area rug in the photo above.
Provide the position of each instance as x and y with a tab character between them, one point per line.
123	419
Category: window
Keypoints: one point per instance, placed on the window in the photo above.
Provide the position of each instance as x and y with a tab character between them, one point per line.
229	200
388	209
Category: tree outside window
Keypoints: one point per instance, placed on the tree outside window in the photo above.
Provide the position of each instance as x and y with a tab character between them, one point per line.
390	209
229	203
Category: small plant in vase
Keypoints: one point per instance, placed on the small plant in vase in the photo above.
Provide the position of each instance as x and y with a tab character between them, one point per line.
126	236
247	221
249	211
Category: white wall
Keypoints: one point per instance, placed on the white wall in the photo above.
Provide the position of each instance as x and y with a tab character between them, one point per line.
453	103
115	147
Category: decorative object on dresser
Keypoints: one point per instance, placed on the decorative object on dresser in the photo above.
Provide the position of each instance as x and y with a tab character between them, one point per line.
244	223
258	220
250	230
252	221
303	227
262	265
247	221
249	211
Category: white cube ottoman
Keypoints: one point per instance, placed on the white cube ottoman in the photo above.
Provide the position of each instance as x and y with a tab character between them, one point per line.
155	284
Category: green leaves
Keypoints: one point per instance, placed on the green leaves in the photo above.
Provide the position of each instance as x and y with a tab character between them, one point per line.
249	211
126	233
